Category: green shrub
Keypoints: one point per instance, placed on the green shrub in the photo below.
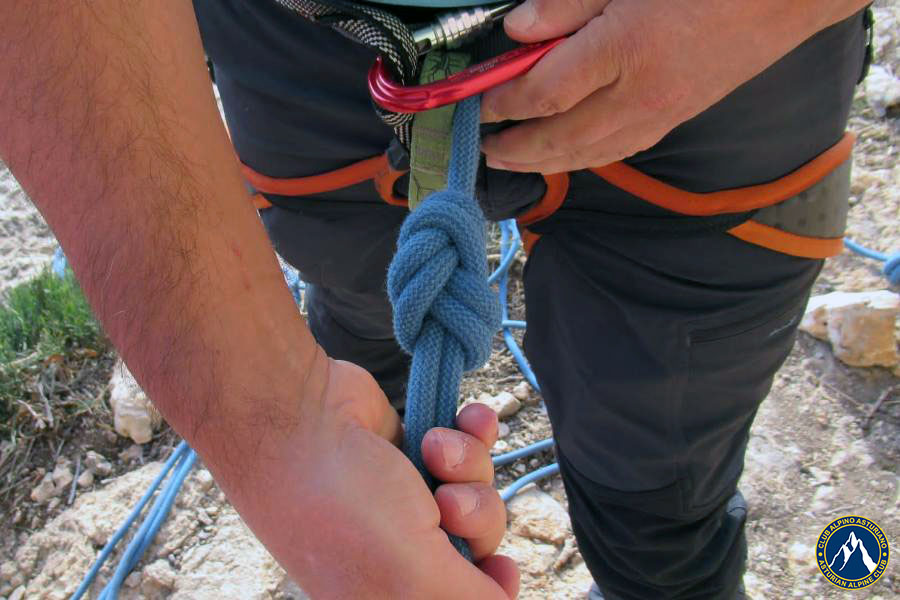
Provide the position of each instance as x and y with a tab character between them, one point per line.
45	318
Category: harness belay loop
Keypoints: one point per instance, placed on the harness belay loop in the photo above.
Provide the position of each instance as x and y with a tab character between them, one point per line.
445	313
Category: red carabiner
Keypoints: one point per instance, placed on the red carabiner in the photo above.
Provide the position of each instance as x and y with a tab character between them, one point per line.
469	82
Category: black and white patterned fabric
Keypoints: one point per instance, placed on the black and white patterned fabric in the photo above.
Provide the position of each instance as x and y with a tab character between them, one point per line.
377	29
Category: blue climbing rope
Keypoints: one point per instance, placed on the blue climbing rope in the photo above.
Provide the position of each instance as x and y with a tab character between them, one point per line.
891	262
181	461
445	313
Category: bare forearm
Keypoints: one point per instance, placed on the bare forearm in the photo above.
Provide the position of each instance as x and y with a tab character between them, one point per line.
108	121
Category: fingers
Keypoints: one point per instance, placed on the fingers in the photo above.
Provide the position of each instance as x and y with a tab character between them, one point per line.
456	457
537	20
356	396
480	421
504	571
460	456
622	144
539	140
391	427
473	511
591	59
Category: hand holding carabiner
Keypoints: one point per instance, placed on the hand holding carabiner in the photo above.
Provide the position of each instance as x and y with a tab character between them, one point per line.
634	70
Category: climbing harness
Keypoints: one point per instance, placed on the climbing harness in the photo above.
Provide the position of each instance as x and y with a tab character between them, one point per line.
802	214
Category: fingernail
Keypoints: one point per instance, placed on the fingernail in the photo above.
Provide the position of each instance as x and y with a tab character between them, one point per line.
466	500
453	448
522	18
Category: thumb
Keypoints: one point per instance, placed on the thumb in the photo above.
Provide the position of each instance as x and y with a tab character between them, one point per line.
538	20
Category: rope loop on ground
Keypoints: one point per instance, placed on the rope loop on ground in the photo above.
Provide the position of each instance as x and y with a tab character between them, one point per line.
892	268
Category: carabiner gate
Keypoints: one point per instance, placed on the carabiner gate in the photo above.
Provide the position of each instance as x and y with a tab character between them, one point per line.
469	82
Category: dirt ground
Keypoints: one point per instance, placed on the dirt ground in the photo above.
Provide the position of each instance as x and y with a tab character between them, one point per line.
819	449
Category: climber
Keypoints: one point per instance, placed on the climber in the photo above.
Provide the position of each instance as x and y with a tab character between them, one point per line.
655	333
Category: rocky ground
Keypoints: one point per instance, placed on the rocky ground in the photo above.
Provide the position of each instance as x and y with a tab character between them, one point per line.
826	443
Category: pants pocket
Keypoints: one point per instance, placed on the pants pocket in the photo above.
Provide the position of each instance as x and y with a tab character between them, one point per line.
731	365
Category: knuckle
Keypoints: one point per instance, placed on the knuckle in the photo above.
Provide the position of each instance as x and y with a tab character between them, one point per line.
550	146
580	157
548	95
551	104
615	40
646	142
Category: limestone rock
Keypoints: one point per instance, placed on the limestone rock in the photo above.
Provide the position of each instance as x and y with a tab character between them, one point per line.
860	326
536	514
158	578
504	404
133	453
54	559
522	391
86	479
502	430
232	565
204	479
97	463
500	447
802	558
133	414
62	476
887	33
821	500
533	558
882	90
44	490
133	580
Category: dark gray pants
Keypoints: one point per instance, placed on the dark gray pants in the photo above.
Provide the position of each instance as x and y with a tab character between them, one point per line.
654	336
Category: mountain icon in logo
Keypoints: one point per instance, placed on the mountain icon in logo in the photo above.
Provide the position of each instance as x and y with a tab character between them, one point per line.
853	551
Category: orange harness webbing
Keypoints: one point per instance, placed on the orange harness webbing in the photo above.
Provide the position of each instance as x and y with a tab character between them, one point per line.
377	168
622	176
737	200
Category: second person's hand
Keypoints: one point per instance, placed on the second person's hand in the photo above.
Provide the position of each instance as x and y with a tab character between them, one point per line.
633	70
348	516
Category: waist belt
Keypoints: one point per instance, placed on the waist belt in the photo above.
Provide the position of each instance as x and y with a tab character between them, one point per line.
802	214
